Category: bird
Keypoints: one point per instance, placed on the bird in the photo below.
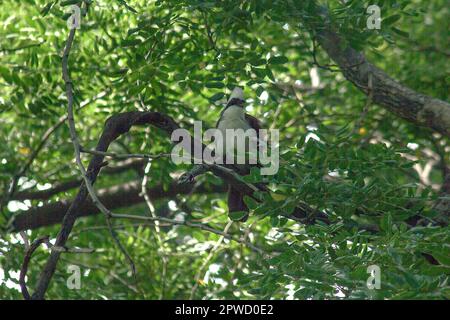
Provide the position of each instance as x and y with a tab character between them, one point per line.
233	116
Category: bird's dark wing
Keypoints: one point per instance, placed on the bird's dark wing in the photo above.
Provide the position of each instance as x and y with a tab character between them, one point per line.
254	123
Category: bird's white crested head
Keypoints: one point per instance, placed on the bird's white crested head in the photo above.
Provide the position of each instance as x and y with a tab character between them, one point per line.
237	93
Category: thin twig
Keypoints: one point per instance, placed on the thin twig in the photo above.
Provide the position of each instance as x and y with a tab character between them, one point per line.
151	209
190	224
241	253
77	149
72	250
47	134
125	155
26	46
26	260
15	179
107	270
209	34
366	105
208	259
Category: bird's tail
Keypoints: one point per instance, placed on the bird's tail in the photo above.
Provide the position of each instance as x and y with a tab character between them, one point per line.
236	202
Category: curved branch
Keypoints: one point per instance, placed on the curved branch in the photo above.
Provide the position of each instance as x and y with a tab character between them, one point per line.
388	93
12	194
26	260
114	127
400	100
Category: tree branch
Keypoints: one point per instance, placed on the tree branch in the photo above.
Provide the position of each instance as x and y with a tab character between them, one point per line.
26	260
135	164
119	196
114	127
11	194
400	100
388	93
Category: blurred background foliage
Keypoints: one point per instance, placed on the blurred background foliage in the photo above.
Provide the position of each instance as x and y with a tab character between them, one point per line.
360	164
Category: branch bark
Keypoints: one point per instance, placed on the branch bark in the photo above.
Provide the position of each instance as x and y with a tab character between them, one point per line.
135	164
397	98
388	93
23	270
12	194
115	197
442	205
114	127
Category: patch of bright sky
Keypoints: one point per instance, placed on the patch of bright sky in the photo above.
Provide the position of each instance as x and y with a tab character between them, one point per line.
311	135
315	79
290	291
25	183
14	206
273	234
9	283
264	97
179	217
334	173
214	269
339	293
412	145
172	205
43	186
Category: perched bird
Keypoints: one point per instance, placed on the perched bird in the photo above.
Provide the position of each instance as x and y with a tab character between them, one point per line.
233	116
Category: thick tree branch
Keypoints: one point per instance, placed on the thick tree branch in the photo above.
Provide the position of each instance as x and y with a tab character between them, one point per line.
388	93
77	149
120	196
397	98
114	127
135	164
12	194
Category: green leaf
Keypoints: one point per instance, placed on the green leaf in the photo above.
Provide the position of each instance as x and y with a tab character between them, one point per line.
68	2
237	215
443	257
258	62
4	72
270	74
135	90
130	42
390	20
46	8
259	72
125	4
250	202
215	85
274	221
278	60
400	32
217	97
386	222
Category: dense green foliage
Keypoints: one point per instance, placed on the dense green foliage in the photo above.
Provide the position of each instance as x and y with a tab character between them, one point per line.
340	154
